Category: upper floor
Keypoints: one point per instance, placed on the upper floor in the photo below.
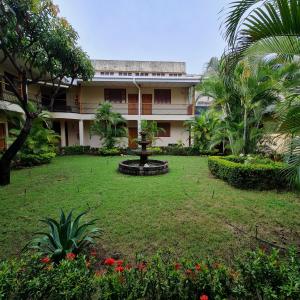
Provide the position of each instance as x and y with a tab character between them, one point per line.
132	87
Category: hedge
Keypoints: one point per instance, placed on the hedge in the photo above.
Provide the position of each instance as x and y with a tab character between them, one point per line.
30	159
261	176
168	150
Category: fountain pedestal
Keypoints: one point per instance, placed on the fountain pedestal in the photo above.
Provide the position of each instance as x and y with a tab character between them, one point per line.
143	166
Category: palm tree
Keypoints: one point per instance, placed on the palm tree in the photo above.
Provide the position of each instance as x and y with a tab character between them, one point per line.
262	27
271	28
243	97
108	125
152	130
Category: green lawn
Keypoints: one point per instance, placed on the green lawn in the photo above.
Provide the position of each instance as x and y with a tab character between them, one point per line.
187	210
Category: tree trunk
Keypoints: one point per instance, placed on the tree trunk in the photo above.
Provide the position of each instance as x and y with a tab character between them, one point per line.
10	153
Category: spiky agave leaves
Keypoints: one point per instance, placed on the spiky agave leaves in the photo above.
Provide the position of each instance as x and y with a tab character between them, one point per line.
67	235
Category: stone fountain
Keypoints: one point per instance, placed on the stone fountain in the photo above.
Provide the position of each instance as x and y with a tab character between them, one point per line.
143	166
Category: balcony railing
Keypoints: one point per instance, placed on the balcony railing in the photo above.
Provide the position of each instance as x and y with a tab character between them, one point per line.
146	108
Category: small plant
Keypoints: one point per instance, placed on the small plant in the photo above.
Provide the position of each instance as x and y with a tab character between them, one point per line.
65	238
109	151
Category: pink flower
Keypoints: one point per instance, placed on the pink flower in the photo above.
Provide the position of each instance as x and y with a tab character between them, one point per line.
128	267
198	267
109	261
177	266
70	256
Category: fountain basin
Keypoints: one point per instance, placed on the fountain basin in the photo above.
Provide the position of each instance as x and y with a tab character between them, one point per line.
152	167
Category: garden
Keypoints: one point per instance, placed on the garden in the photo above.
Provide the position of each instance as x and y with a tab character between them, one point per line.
223	223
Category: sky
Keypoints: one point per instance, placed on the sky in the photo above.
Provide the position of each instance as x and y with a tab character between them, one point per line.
170	30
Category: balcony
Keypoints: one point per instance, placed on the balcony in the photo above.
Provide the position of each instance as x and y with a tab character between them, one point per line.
146	109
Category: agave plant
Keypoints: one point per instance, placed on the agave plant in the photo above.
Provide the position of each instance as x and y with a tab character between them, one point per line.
65	236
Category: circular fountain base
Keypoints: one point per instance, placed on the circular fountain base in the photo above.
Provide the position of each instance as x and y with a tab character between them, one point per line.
153	167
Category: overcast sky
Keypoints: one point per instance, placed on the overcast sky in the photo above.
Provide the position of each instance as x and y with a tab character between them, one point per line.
172	30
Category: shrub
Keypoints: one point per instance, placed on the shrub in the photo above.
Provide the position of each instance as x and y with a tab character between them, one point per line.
155	150
74	150
109	151
32	159
257	276
65	238
31	278
257	175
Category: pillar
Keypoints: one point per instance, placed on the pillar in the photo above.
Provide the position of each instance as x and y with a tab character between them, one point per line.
139	112
62	133
81	133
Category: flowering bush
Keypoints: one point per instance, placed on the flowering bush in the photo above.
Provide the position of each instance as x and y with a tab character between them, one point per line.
257	276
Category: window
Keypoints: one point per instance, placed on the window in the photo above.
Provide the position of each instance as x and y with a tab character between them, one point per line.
165	129
115	95
162	96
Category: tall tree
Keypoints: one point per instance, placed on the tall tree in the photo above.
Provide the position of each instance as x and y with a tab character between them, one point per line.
40	46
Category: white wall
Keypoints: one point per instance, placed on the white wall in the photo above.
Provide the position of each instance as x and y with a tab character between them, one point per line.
178	134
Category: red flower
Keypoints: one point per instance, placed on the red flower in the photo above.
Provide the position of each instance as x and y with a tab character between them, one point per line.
109	261
198	267
119	269
70	256
203	297
46	260
177	266
119	262
128	267
141	266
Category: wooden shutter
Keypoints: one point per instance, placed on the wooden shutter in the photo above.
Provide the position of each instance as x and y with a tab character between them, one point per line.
115	95
162	96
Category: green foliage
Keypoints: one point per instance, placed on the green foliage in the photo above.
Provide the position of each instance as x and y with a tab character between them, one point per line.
152	130
266	277
65	236
75	150
243	173
203	129
155	150
109	151
257	276
241	100
269	28
40	146
31	278
30	160
109	125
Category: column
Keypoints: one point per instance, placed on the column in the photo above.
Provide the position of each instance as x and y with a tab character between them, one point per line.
139	112
62	133
81	133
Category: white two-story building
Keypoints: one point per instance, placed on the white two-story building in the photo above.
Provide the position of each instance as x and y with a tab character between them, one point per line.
139	90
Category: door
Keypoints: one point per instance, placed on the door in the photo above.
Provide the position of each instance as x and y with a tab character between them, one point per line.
133	100
146	104
132	136
2	136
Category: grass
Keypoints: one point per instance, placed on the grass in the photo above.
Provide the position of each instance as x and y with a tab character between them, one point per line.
187	210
